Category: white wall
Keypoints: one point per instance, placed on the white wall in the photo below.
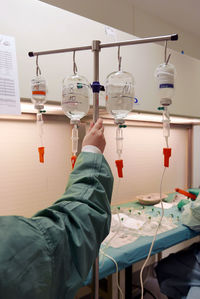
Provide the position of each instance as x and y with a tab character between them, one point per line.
115	13
38	26
28	186
146	24
143	161
196	157
131	19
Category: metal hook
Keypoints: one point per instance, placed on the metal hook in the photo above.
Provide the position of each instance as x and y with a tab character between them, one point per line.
75	70
166	58
38	70
119	58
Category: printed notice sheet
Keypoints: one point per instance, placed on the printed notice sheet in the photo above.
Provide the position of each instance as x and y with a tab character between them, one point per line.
9	88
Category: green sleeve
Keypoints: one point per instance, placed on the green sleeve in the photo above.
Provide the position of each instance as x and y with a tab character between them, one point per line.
49	255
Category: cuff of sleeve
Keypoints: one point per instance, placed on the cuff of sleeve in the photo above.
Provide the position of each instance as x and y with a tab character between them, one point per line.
91	149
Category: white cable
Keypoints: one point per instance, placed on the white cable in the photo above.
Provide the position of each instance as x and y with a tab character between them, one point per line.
154	238
117	271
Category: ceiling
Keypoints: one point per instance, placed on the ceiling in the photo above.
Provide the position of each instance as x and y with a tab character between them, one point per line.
185	14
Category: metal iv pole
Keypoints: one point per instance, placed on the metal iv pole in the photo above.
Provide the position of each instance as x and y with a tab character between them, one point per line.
96	47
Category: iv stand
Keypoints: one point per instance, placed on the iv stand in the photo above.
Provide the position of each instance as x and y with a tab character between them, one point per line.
96	47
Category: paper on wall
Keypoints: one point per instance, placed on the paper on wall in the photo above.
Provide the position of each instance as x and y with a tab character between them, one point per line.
9	89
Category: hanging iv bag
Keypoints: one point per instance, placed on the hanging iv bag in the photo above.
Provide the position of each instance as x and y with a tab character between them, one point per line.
76	95
39	91
165	74
119	89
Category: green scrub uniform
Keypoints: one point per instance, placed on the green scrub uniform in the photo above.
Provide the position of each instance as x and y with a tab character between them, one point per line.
49	255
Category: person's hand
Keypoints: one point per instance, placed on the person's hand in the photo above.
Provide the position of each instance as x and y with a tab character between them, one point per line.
95	135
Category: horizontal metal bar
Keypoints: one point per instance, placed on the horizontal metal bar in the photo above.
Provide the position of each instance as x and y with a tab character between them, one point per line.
31	54
141	41
172	37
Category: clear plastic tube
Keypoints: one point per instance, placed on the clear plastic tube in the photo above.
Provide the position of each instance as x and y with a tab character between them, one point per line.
40	133
75	139
119	141
40	129
166	125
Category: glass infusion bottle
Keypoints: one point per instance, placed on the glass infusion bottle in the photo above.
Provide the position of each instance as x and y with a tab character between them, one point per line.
39	92
76	95
119	88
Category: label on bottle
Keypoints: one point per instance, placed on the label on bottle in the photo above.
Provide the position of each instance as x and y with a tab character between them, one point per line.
166	85
39	92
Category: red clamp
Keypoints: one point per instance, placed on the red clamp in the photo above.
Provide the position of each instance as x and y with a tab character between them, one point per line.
188	194
167	154
119	164
41	154
73	161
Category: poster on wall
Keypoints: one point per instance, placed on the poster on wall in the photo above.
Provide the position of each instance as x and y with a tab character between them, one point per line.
9	87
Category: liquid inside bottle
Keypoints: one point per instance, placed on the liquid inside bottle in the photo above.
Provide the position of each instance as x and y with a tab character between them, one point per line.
76	95
119	94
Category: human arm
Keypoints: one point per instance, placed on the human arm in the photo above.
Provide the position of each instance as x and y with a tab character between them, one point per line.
49	255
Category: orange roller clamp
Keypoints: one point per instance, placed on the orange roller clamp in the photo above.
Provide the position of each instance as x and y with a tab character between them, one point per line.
119	164
167	154
41	154
73	161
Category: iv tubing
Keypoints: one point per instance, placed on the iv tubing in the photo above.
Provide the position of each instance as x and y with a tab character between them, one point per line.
117	271
40	136
119	141
119	227
40	128
154	238
74	139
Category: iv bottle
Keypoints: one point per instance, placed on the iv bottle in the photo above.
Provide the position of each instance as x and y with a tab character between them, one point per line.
165	74
39	91
119	89
76	94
